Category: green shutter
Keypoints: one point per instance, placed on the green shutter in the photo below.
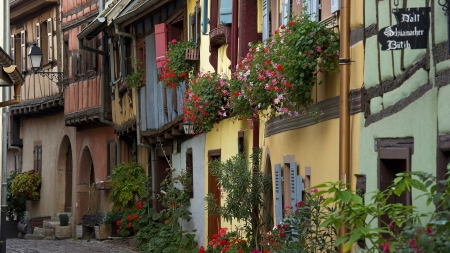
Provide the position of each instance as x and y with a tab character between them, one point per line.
265	10
205	19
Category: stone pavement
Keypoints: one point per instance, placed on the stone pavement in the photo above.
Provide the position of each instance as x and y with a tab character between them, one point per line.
67	246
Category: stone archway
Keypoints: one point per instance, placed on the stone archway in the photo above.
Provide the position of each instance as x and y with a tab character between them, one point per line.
83	183
64	176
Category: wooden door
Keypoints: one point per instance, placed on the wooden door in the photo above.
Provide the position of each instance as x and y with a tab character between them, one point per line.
68	176
161	173
213	219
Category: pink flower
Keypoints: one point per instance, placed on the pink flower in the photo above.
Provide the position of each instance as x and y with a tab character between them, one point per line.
315	190
385	247
319	49
174	41
429	231
286	207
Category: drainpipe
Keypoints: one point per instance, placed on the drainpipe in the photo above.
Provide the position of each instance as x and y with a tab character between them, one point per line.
103	84
136	90
344	108
5	44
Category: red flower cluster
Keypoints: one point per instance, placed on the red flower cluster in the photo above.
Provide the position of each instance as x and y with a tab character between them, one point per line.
205	101
169	76
175	68
223	242
139	204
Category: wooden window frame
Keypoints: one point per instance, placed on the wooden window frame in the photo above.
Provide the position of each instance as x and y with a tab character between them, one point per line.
37	153
395	152
111	157
190	170
23	51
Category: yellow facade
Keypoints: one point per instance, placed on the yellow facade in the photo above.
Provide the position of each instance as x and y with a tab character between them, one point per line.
315	146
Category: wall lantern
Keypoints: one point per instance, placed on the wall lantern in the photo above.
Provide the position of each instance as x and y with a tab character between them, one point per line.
188	127
35	56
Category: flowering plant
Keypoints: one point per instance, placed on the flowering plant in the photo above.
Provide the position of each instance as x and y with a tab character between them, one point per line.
205	99
303	228
225	241
135	79
280	73
175	68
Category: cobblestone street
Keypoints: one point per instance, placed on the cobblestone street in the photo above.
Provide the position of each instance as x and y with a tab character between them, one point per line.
67	246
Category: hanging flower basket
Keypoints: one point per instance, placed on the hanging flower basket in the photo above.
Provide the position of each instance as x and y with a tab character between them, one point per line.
176	66
206	100
279	74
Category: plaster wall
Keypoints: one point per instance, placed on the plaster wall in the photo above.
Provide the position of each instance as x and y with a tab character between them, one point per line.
424	116
95	142
418	120
43	131
197	207
224	136
315	146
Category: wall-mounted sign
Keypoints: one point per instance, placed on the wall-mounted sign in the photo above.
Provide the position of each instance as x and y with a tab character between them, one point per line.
410	32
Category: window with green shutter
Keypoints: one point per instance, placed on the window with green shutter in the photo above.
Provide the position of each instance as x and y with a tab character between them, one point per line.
225	12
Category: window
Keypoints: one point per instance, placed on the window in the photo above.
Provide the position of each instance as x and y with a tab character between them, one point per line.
141	59
37	158
288	186
23	53
190	170
111	156
194	24
17	50
43	40
225	12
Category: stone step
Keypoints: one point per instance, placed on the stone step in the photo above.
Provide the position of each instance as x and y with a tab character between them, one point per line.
44	231
34	237
52	223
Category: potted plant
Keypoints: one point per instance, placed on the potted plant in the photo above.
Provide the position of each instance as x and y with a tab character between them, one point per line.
111	219
279	74
206	101
135	79
175	66
27	185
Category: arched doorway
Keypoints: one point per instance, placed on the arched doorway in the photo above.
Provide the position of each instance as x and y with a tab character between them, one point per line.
68	181
268	197
85	172
64	177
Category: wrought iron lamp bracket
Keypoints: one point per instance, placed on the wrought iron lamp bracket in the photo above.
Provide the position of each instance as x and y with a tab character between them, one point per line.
53	76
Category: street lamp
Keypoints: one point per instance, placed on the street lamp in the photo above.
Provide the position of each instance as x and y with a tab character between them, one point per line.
35	56
188	127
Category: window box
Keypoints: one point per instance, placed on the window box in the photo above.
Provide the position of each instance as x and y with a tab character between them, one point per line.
192	54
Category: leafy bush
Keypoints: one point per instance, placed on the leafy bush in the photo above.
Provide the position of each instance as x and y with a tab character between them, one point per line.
161	231
15	206
303	229
244	185
27	185
128	181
